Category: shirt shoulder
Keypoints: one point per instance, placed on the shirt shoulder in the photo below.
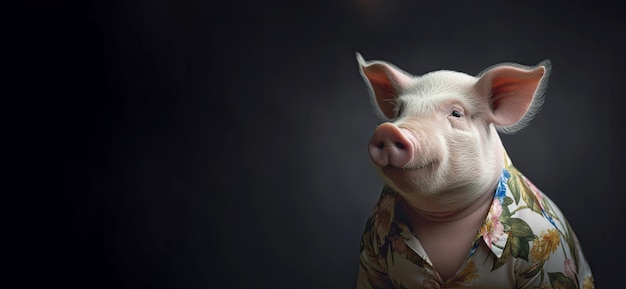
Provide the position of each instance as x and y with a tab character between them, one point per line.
539	238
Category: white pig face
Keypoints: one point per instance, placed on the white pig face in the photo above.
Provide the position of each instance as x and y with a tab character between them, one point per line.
440	141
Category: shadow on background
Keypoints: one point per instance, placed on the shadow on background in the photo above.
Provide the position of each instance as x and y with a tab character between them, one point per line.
196	145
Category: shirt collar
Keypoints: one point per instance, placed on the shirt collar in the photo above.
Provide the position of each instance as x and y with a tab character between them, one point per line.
492	231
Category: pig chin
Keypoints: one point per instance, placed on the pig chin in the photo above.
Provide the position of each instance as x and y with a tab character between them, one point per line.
418	179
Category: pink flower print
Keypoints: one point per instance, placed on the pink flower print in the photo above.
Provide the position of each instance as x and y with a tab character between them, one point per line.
493	229
570	269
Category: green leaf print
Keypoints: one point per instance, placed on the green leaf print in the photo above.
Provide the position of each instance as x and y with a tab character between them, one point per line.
517	244
533	270
504	258
558	280
505	217
530	199
520	235
519	187
514	185
521	229
507	201
519	248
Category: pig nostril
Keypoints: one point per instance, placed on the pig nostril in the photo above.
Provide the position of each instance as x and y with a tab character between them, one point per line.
399	145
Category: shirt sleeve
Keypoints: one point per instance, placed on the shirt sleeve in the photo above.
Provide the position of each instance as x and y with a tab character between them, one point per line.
373	273
555	260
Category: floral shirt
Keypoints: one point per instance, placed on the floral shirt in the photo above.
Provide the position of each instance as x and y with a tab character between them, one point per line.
525	242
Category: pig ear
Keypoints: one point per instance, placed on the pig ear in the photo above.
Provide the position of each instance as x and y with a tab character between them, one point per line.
385	83
514	92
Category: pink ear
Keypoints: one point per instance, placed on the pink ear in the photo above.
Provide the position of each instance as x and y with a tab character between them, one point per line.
385	82
512	91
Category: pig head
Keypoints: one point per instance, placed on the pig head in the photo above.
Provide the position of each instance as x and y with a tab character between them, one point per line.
440	143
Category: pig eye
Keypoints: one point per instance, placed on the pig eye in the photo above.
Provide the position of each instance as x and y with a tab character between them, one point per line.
399	111
456	113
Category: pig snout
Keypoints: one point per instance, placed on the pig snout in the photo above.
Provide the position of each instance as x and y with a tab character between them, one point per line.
390	146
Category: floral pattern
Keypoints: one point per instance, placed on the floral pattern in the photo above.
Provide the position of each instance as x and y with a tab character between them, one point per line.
524	242
493	229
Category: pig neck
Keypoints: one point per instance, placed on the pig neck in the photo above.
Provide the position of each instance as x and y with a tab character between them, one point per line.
430	212
447	232
447	236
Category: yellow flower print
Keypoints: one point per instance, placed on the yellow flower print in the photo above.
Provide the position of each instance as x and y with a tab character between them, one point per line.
588	283
463	279
432	279
468	275
547	243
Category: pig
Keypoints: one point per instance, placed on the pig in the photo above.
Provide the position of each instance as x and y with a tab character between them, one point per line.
454	212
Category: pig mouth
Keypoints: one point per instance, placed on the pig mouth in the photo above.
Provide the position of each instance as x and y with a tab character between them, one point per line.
428	165
422	166
409	173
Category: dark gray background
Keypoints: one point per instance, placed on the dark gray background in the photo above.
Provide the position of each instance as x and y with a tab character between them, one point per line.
198	145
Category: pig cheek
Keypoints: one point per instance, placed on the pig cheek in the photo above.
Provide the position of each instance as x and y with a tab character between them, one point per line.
464	124
471	158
